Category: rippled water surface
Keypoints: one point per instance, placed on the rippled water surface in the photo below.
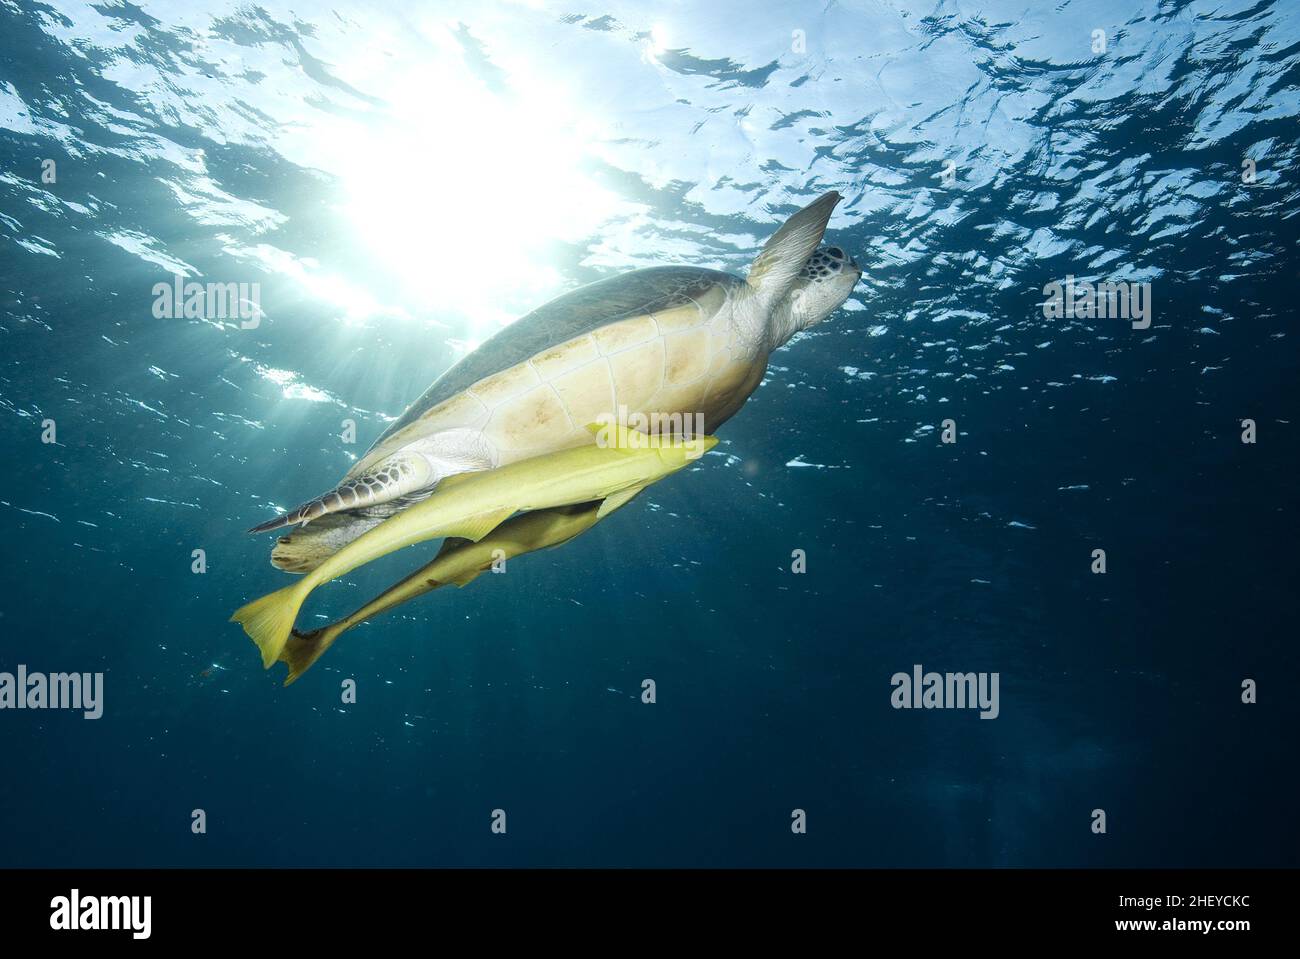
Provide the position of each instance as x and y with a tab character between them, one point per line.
402	180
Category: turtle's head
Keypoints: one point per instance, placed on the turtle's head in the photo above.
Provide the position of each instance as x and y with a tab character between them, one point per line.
824	283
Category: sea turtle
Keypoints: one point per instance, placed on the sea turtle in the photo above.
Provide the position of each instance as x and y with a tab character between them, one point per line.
677	343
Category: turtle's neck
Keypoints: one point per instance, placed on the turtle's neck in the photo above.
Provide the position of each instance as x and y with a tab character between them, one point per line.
765	330
783	325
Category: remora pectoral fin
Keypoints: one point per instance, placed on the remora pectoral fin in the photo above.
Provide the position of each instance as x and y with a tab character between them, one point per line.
477	526
616	500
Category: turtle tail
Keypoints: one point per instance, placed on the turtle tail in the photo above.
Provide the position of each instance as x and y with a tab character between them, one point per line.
388	479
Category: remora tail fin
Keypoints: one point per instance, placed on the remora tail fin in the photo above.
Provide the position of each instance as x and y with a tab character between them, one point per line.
303	649
268	620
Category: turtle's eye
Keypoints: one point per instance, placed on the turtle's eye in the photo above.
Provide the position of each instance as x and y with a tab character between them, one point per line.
836	253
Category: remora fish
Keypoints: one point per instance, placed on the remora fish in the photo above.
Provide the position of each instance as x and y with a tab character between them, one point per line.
620	465
459	563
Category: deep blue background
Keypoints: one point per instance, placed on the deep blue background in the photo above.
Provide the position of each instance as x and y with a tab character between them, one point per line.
1119	691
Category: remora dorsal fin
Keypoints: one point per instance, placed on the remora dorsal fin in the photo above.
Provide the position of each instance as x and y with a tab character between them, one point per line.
784	255
620	437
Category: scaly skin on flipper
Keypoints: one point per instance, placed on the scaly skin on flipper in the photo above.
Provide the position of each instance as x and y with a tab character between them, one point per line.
397	475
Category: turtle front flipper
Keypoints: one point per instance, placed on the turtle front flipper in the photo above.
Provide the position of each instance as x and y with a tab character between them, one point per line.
777	268
397	475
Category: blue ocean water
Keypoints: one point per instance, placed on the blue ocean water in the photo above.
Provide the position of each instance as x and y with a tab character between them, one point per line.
401	183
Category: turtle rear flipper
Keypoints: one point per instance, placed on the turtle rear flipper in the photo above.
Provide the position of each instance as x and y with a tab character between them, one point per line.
397	475
307	547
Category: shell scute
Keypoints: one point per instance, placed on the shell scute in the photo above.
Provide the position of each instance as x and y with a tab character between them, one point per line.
625	334
530	419
637	373
565	357
586	392
681	318
506	385
686	356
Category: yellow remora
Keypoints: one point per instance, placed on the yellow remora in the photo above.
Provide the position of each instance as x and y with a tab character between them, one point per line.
458	564
616	468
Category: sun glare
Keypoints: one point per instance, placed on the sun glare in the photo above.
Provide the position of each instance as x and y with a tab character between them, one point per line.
658	40
462	189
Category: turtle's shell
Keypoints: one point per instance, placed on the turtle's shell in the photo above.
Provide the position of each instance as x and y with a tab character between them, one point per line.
651	341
